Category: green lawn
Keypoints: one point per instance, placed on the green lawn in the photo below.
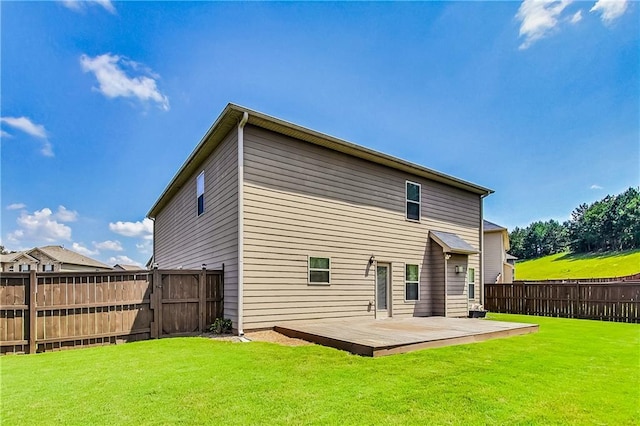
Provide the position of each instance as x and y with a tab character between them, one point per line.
571	372
566	265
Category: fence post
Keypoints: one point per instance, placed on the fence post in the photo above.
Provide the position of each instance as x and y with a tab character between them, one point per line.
33	314
202	294
156	303
578	307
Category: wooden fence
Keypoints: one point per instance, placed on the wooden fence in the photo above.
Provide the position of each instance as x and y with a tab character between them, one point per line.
45	311
613	301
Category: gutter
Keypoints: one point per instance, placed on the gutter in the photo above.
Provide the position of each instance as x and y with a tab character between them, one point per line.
245	118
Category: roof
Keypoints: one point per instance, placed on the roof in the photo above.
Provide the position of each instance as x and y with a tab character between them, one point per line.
511	257
64	255
127	267
492	227
231	116
12	257
451	243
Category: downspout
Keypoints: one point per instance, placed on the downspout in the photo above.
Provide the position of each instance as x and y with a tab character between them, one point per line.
481	274
446	283
245	117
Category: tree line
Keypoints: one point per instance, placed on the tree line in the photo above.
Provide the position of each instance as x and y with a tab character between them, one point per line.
611	224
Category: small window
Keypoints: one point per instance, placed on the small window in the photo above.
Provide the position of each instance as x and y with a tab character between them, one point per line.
47	268
411	282
200	193
472	283
24	268
319	270
11	268
413	201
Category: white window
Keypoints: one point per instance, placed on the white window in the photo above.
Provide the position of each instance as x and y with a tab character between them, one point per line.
200	193
24	268
472	283
413	201
47	268
319	270
11	268
411	282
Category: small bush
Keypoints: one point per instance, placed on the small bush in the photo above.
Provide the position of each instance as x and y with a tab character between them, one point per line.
221	326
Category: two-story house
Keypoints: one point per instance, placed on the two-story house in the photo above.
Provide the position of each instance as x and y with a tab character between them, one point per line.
309	226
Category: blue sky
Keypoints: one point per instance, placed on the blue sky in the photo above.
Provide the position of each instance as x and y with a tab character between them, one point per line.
102	101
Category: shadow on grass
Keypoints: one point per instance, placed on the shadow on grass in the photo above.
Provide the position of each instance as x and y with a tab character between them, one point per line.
571	257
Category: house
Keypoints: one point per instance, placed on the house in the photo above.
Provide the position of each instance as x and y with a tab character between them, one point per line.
499	266
50	259
309	226
122	267
18	261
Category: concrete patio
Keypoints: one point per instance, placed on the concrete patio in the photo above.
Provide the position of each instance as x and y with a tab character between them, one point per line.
372	337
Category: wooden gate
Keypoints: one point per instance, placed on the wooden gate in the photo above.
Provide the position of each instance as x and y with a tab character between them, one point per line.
185	302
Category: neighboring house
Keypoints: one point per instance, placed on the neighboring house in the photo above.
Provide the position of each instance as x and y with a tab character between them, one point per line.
499	266
18	261
309	226
50	259
121	267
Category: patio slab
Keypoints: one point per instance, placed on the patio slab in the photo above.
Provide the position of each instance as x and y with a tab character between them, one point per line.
377	337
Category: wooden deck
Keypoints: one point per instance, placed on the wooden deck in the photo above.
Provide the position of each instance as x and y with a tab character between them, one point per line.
371	337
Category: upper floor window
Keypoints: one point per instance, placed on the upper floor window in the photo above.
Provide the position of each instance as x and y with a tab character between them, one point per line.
47	268
413	201
200	192
25	268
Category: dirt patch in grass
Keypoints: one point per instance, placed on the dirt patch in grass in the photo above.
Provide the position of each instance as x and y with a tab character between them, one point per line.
260	336
275	337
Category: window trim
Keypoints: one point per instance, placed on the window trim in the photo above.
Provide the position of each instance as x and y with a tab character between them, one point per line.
309	269
407	201
198	194
411	282
471	284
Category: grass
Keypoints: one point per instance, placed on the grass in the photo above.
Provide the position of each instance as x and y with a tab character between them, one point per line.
571	372
567	265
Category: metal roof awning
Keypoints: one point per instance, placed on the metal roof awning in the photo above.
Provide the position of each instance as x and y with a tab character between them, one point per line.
451	243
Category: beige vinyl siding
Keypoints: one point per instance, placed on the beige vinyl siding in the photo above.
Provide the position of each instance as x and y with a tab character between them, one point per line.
457	297
304	200
184	239
493	256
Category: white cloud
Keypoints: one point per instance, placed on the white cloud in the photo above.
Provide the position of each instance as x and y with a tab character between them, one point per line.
29	127
16	206
79	248
41	226
79	5
114	81
65	215
594	186
577	17
145	247
4	134
539	19
122	259
108	245
610	10
143	229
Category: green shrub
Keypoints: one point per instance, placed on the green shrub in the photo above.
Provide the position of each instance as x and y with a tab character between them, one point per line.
221	326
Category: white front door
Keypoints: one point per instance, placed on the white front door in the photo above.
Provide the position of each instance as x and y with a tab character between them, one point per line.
382	290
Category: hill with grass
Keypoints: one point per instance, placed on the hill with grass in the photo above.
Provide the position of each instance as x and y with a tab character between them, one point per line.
569	265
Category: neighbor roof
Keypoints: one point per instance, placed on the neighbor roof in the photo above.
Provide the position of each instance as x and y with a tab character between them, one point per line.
451	243
127	267
491	227
64	255
231	116
12	257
